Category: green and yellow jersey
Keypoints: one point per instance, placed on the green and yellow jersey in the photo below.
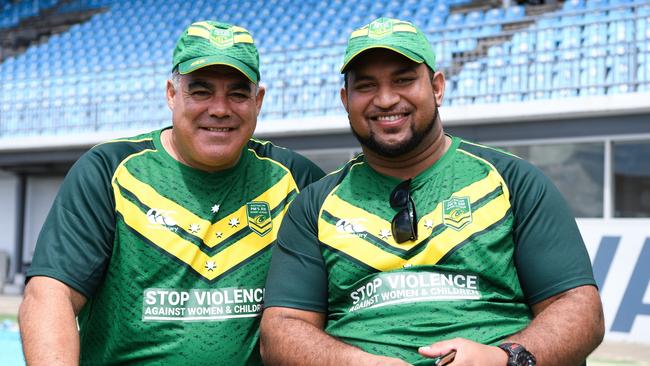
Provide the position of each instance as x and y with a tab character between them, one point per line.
171	259
495	236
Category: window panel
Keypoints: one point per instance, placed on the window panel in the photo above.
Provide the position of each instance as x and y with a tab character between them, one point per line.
576	169
631	170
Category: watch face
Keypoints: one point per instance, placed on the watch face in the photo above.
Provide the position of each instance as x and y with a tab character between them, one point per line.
524	358
518	355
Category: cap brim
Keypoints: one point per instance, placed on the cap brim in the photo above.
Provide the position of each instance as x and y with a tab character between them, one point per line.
194	64
406	53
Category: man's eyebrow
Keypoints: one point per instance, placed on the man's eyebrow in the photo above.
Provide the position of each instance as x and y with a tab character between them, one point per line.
357	77
199	84
406	69
237	85
240	85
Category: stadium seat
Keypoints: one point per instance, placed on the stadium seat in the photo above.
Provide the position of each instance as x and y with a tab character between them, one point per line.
596	4
575	51
592	77
570	5
618	76
515	12
643	76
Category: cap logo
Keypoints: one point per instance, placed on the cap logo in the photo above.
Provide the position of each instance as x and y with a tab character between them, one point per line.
221	38
380	28
198	62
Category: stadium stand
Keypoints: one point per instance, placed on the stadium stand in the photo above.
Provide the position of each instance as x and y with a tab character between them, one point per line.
564	85
108	72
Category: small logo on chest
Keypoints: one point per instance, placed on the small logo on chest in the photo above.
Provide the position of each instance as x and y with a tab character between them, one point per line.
351	227
259	217
457	212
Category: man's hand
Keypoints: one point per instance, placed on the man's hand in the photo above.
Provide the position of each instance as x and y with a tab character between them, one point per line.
467	353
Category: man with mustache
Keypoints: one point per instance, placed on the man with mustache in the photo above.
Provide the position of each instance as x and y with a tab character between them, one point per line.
426	246
159	244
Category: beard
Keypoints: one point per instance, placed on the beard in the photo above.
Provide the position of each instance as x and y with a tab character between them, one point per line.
404	147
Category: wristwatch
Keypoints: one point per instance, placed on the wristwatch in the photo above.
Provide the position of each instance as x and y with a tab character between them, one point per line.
518	355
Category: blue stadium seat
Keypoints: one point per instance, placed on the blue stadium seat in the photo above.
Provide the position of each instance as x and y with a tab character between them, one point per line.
564	53
494	15
596	4
643	75
570	5
592	77
540	77
455	20
474	17
515	12
466	40
618	76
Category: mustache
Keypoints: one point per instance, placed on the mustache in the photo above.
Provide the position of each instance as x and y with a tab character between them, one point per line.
392	110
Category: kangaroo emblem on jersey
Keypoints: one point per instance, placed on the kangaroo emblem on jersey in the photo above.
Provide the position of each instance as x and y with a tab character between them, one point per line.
259	217
457	212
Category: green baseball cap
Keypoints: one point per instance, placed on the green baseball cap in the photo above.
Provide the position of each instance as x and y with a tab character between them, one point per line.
208	43
392	34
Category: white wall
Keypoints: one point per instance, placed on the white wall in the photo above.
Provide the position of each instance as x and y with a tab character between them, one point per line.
40	193
8	190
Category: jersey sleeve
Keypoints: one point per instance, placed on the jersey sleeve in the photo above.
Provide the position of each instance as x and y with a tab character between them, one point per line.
550	254
75	242
297	276
305	172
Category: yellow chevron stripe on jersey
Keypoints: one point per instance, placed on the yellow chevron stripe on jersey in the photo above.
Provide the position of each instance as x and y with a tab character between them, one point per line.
273	196
358	248
185	218
487	215
344	210
188	252
504	186
374	256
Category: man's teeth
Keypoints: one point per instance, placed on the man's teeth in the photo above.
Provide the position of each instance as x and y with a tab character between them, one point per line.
214	129
392	117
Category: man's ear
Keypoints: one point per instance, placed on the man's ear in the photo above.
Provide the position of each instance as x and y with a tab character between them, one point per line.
344	99
438	86
171	92
259	98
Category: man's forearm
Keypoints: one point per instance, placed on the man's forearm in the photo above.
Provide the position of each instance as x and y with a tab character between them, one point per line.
291	341
565	330
48	329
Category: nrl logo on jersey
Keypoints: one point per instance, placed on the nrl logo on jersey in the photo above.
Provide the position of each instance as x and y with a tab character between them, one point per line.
259	217
161	218
351	227
456	212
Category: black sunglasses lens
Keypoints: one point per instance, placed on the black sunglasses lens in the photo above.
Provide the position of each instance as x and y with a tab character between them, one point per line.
400	196
404	224
401	227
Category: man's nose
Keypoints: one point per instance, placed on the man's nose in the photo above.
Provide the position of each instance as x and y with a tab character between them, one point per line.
386	97
219	106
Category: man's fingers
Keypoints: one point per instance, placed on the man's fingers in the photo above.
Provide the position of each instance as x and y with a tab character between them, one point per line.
437	349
